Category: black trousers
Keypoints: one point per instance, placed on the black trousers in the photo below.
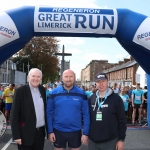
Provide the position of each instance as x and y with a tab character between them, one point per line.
38	143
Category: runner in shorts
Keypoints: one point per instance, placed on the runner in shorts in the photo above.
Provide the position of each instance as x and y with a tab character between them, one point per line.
137	103
8	96
145	107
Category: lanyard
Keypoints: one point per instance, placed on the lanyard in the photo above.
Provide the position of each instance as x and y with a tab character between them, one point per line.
100	104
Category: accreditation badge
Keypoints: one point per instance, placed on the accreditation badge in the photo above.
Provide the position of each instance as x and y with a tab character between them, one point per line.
99	116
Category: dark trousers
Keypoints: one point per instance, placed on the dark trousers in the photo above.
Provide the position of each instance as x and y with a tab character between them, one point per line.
38	143
109	145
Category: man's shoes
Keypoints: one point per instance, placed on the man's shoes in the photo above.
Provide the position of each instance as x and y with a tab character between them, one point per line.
139	124
145	120
132	123
142	120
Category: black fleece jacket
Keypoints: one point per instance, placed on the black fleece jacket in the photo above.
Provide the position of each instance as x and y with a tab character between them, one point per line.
113	124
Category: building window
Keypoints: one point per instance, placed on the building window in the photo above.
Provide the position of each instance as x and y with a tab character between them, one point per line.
5	78
130	73
137	78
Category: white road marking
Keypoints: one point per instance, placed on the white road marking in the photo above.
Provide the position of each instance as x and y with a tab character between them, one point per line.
8	143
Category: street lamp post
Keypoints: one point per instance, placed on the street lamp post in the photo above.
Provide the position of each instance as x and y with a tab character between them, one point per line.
41	67
28	66
7	71
94	71
23	67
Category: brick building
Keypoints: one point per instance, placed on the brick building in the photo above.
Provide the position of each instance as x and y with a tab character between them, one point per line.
124	72
95	66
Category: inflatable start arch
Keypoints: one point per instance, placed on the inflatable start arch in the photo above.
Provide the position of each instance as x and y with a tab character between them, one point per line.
132	30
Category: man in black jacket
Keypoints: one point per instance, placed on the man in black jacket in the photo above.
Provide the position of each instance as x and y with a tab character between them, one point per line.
108	120
28	113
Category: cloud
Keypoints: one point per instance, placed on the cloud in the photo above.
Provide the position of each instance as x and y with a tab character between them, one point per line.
74	3
74	51
93	1
105	7
76	67
95	56
71	40
121	57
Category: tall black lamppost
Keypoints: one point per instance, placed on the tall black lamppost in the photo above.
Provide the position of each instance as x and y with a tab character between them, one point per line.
28	66
94	70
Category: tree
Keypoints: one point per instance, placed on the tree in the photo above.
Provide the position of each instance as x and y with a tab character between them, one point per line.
22	63
40	51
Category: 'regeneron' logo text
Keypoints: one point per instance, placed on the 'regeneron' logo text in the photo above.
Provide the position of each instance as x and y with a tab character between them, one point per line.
7	32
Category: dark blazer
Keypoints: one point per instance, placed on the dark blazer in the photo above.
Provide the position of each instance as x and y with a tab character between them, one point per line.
23	117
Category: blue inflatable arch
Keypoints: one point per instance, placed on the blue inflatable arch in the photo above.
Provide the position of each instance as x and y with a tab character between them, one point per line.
131	29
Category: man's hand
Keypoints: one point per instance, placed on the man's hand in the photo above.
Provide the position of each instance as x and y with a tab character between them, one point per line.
120	145
18	141
52	137
84	139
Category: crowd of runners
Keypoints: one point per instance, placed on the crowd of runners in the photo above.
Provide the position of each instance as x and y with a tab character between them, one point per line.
134	99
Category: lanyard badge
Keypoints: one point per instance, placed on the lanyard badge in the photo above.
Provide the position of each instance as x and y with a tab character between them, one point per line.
99	112
99	116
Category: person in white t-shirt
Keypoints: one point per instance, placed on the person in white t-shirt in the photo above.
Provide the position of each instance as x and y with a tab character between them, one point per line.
58	83
115	88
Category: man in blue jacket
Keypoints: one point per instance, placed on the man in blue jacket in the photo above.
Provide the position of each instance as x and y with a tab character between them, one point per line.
66	107
107	116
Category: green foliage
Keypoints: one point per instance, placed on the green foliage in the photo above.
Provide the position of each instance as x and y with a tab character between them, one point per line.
40	53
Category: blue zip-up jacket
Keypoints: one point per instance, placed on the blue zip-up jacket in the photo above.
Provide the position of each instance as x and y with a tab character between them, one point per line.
65	110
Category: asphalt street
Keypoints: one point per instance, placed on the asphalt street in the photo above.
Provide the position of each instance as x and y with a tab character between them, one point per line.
136	139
